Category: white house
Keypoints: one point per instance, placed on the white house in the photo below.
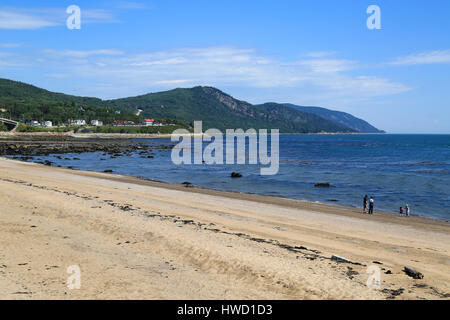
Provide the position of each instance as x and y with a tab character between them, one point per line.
96	123
47	124
79	122
34	123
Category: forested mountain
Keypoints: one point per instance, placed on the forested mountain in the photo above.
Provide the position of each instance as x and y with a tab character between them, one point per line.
215	108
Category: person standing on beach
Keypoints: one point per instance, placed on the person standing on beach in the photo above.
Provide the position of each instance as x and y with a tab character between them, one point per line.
365	203
371	205
401	210
407	210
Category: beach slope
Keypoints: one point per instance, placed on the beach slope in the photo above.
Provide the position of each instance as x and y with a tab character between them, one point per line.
137	239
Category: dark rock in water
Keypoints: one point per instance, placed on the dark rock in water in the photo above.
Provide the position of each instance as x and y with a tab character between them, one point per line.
236	175
187	184
108	171
333	200
322	185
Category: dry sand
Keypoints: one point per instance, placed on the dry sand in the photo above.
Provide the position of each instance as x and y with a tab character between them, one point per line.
136	239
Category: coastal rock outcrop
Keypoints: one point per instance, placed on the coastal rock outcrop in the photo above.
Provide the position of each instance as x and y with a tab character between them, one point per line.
322	185
45	146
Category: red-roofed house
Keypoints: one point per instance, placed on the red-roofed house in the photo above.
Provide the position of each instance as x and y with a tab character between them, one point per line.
148	122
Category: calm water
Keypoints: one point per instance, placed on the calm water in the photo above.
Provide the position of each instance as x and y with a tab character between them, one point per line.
394	169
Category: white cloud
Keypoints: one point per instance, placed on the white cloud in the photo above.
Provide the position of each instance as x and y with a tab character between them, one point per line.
10	45
429	57
12	60
84	53
13	20
33	18
172	82
158	62
97	16
222	66
329	66
111	73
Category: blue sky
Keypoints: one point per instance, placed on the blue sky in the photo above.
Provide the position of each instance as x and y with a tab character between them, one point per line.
318	53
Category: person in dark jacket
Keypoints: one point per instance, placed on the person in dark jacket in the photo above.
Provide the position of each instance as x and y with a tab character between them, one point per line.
366	198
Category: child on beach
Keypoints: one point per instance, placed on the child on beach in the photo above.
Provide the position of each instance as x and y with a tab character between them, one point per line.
407	210
371	205
401	210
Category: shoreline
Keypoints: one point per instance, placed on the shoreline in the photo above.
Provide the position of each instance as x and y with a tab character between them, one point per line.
6	135
262	198
37	145
198	189
266	198
217	244
195	188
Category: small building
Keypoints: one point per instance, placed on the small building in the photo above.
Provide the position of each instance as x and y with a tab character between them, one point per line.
33	123
120	123
79	122
47	124
123	123
97	123
148	122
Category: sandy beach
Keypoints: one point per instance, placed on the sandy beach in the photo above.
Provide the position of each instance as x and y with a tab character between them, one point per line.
139	239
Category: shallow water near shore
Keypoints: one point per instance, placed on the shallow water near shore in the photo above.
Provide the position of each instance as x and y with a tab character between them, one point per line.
395	169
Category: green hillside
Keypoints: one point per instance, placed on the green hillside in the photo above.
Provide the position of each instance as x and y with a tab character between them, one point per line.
342	118
219	110
215	108
27	102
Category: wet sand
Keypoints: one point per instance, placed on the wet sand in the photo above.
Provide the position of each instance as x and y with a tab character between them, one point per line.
139	239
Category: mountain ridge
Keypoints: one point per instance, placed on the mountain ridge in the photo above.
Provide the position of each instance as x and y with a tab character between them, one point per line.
343	118
214	107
